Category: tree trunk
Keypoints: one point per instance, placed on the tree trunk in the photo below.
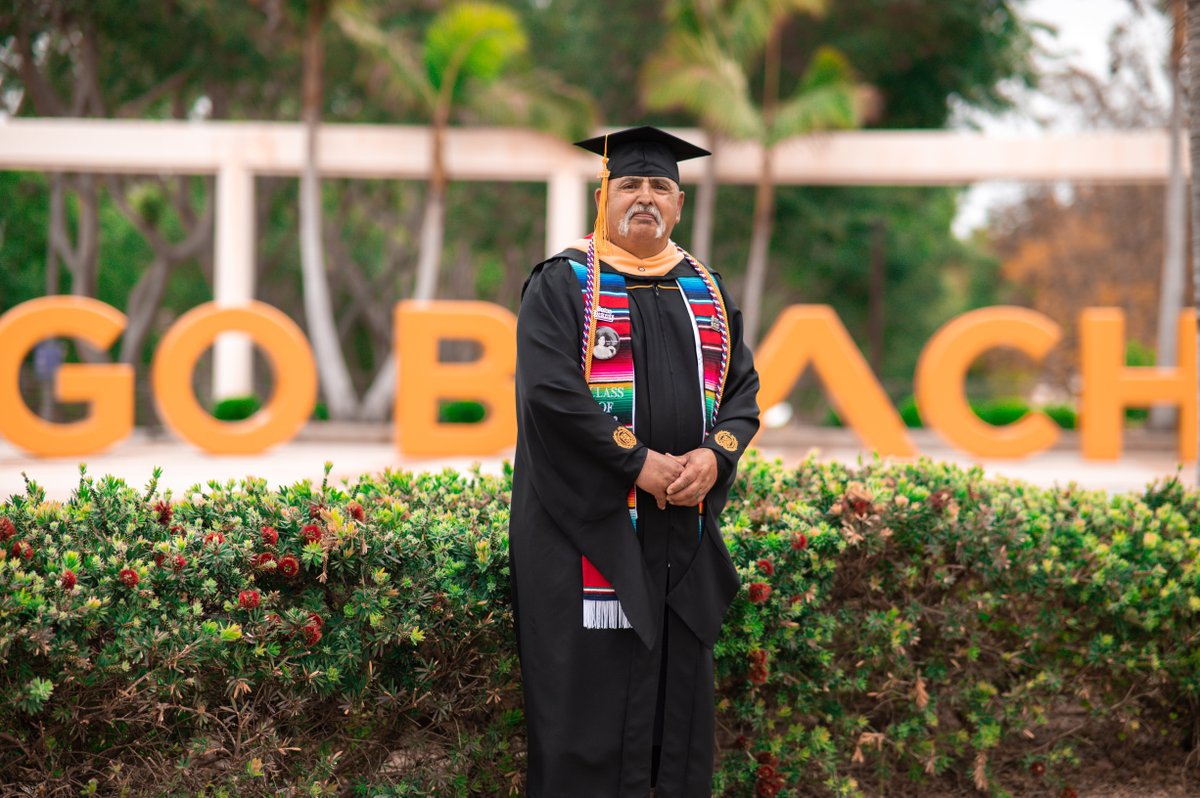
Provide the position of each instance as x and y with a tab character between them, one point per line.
57	214
432	225
764	195
81	259
336	385
142	306
760	246
706	206
379	398
1193	53
1170	297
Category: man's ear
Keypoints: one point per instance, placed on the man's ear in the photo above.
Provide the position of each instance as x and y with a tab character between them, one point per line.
679	209
596	198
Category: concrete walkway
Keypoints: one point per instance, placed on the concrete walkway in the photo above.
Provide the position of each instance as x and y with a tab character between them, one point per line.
356	449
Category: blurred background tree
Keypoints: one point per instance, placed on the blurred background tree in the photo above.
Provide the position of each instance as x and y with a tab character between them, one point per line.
144	244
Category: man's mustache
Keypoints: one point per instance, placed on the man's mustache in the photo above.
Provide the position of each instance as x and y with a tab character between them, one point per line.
636	208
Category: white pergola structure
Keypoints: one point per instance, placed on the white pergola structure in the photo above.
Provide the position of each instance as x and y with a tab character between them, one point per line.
235	152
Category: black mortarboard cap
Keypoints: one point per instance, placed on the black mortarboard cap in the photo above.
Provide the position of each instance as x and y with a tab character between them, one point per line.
643	151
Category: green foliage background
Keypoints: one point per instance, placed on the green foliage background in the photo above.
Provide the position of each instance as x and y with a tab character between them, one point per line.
242	61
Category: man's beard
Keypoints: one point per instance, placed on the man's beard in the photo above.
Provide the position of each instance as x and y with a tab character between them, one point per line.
623	227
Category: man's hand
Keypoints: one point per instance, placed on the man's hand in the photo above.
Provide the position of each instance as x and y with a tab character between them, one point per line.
658	472
699	474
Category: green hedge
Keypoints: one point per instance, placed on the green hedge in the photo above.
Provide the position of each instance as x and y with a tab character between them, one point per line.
899	625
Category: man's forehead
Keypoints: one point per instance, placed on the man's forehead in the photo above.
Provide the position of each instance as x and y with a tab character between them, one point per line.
640	178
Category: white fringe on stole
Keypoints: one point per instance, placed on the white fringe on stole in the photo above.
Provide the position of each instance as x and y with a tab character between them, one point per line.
604	614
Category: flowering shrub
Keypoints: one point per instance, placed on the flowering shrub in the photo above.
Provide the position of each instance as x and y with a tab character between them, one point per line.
898	627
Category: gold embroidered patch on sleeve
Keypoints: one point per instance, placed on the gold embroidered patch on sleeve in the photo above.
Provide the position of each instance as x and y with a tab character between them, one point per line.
624	438
726	440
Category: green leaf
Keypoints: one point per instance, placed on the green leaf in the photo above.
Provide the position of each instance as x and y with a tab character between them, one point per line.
472	41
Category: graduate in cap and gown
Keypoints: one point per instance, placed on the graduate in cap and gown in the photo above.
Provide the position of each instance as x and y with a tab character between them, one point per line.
635	400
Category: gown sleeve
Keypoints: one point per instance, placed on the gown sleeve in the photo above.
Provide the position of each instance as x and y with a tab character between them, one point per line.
737	417
581	469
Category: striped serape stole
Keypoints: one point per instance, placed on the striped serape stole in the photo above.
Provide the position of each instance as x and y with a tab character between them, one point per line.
606	355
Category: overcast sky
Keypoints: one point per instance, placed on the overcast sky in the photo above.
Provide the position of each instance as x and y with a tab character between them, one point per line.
1083	28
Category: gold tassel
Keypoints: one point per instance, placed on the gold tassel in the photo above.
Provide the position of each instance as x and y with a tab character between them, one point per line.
600	233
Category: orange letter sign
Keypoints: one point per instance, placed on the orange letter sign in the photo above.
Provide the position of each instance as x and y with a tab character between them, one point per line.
109	389
424	381
943	368
1109	386
286	349
814	333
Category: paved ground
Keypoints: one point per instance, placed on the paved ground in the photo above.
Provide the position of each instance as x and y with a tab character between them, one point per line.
357	449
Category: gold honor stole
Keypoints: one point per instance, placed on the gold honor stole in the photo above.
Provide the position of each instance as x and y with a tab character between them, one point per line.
606	356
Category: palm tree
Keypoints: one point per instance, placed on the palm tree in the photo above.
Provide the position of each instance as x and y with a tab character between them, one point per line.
704	68
336	383
471	59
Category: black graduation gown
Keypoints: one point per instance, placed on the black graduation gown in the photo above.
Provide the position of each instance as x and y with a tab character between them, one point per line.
598	702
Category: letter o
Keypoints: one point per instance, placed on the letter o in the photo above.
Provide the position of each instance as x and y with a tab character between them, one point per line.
286	350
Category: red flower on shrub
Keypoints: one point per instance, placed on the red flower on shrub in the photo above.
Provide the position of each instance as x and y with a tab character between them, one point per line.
858	499
758	674
939	499
769	782
7	528
159	558
214	538
163	508
314	511
1038	769
312	634
757	657
311	533
800	541
22	550
265	560
356	511
766	566
129	577
759	592
315	620
248	599
742	742
68	580
1068	792
288	565
269	536
178	562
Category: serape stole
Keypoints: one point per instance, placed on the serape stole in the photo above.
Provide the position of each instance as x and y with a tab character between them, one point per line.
611	381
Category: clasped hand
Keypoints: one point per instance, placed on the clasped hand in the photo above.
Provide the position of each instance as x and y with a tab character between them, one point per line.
683	480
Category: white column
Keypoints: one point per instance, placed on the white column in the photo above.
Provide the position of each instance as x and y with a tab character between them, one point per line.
566	210
233	276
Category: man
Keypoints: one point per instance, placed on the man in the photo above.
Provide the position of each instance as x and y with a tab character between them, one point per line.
635	399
